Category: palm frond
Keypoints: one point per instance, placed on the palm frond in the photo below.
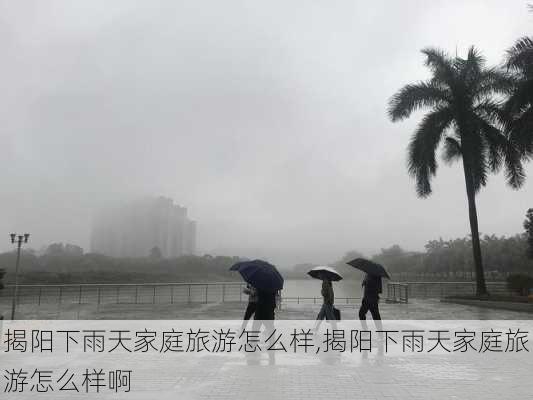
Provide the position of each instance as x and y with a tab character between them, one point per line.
471	67
521	96
514	170
475	58
520	133
442	66
493	112
421	162
414	96
520	56
495	144
452	150
493	81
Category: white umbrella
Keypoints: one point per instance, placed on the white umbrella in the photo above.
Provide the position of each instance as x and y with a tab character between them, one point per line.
323	271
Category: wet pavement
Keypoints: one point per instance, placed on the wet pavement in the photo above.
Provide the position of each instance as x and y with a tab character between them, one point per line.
378	374
371	375
415	309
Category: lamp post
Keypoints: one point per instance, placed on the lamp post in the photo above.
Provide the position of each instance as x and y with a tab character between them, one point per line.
18	239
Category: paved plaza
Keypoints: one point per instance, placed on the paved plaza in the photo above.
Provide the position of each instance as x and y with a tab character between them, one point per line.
368	375
378	374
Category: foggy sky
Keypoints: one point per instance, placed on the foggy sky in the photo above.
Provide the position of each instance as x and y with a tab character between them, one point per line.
266	119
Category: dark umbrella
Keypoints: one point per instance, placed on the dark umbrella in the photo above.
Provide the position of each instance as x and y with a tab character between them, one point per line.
369	267
260	274
324	272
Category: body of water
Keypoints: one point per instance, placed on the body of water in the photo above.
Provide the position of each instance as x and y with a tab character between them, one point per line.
311	288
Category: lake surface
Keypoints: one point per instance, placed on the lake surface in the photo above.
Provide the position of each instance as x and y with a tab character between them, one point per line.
312	287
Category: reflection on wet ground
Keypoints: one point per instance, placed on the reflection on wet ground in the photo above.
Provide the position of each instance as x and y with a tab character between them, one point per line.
415	309
375	374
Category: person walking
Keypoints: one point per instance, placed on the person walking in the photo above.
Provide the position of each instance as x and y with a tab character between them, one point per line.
264	311
327	310
265	315
372	289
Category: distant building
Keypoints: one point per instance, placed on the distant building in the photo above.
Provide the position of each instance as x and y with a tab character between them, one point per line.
136	228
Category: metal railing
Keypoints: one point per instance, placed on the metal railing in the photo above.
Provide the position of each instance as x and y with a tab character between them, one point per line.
209	292
417	289
397	292
128	293
146	293
318	300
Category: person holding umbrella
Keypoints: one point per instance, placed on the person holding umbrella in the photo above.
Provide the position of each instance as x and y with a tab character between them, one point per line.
372	287
266	280
328	296
327	275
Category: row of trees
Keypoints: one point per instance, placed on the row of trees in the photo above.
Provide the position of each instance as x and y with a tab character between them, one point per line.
479	115
69	267
454	259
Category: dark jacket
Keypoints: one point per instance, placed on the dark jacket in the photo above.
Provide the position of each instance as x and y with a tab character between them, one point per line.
372	288
327	292
266	303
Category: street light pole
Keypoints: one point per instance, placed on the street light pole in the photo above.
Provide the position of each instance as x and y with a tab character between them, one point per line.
18	239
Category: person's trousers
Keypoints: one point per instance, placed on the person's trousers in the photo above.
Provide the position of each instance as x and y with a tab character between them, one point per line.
371	306
250	310
264	316
326	312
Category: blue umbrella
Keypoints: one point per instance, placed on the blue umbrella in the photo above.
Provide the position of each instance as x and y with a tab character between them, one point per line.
260	274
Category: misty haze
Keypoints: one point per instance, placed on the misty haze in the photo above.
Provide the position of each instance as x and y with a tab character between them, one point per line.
269	123
194	179
168	142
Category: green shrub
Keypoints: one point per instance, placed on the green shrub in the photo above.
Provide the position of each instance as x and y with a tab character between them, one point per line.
520	283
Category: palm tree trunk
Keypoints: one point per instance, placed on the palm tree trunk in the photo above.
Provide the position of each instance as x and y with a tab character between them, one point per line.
481	288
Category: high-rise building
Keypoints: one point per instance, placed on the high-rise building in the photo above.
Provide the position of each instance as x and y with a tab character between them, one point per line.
135	228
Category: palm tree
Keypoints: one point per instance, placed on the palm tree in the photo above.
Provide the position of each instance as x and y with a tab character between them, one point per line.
517	116
462	97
